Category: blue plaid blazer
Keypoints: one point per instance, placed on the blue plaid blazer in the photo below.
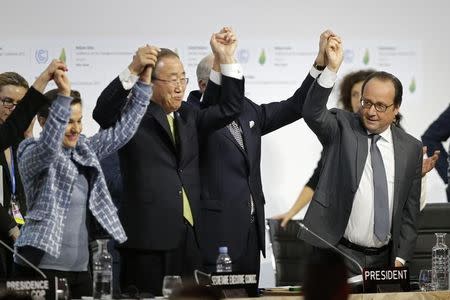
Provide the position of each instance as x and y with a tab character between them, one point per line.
48	172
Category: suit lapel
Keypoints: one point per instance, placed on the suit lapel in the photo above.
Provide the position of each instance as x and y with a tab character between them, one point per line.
246	134
161	118
182	129
225	131
400	164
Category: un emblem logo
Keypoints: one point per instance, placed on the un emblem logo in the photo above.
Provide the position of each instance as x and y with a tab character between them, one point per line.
243	56
41	56
349	55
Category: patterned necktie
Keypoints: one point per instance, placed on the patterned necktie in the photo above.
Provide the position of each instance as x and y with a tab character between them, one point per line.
187	213
381	203
236	132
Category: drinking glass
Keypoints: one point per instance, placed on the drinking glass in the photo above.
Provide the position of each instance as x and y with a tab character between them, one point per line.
62	289
171	283
425	279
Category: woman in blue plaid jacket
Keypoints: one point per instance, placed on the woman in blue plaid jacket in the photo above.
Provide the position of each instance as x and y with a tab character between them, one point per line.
64	182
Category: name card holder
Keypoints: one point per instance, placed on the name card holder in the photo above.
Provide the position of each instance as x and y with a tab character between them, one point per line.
386	280
235	285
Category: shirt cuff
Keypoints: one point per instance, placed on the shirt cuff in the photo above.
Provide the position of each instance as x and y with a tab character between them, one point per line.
232	70
215	77
314	72
327	79
128	80
401	260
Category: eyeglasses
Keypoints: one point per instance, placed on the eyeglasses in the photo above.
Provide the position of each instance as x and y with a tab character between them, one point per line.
174	82
9	103
379	107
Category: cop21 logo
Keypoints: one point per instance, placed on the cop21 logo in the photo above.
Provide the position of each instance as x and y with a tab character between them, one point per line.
41	56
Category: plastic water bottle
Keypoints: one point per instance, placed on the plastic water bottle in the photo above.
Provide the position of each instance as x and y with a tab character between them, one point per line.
223	263
439	265
102	267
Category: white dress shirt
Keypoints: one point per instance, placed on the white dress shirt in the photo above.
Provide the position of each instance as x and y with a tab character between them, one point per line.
361	222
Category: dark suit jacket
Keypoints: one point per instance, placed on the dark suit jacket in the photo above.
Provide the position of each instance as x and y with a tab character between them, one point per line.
7	188
438	132
194	98
11	133
154	169
21	117
345	151
230	174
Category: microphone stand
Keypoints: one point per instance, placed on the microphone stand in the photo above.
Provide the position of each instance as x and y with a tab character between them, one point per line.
303	226
24	259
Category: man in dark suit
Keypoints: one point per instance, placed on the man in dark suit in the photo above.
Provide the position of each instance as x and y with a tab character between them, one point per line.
232	212
17	109
434	136
160	167
202	72
367	198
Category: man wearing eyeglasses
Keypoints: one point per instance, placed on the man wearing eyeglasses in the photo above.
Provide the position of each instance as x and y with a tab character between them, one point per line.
18	106
367	198
160	167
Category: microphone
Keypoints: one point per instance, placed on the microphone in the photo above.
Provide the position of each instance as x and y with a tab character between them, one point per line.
303	226
24	259
196	272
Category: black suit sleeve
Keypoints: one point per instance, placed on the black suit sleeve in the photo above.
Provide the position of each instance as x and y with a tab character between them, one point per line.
211	96
278	114
230	104
14	127
6	221
110	103
438	132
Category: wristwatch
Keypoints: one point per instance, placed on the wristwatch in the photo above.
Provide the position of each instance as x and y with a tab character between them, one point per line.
320	68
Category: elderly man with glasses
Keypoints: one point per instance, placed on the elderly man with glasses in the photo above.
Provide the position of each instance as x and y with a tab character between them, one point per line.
160	167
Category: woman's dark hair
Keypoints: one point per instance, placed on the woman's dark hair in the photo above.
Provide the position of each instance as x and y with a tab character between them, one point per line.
52	95
345	88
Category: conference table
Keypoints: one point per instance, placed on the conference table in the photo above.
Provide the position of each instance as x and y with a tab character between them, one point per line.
437	295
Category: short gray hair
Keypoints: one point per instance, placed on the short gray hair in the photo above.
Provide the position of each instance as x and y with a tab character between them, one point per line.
204	67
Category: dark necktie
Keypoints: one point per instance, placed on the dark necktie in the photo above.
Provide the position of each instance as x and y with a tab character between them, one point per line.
381	202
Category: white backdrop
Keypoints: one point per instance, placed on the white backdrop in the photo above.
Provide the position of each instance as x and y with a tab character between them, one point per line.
409	39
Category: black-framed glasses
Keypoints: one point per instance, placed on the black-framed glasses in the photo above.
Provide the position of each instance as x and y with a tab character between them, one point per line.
174	82
9	103
379	107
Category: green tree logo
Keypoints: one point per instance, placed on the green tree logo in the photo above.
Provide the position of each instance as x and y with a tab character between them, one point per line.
412	86
366	57
62	55
262	57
